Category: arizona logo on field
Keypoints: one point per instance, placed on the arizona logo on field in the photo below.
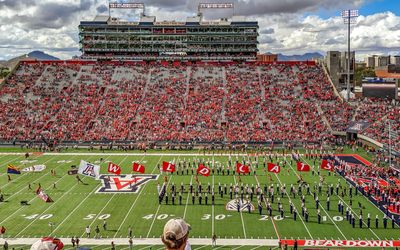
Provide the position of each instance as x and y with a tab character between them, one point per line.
232	206
124	183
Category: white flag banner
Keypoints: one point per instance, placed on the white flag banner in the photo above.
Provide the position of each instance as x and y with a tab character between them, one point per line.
35	168
89	169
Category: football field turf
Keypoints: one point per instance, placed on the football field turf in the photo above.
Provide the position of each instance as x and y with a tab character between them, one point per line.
76	205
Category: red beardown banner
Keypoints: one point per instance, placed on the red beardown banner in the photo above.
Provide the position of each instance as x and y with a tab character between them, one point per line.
273	168
325	164
203	170
343	243
138	168
302	167
114	168
242	169
42	195
168	167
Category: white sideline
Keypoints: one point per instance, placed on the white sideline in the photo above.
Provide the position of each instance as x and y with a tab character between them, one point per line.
131	154
16	211
62	222
134	203
241	214
22	189
340	231
19	176
150	241
159	206
104	206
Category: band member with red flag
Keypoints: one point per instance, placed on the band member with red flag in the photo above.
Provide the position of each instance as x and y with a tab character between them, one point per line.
168	167
138	168
273	168
242	169
203	170
114	168
302	167
325	164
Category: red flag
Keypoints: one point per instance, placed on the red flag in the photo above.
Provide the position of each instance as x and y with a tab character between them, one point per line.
273	168
326	165
203	170
242	169
138	168
302	167
168	167
114	168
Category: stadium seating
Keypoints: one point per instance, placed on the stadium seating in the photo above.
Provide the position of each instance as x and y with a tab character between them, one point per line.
160	101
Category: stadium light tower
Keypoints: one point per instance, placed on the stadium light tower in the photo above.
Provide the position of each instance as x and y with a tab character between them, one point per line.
349	17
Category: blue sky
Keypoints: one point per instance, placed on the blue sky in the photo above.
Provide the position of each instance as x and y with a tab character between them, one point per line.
286	26
369	7
378	6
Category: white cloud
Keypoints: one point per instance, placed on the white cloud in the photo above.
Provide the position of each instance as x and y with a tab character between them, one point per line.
52	25
296	34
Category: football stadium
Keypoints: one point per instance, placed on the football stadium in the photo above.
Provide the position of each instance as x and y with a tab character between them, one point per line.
166	127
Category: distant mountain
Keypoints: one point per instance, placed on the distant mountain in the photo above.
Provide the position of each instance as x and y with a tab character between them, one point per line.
304	57
40	55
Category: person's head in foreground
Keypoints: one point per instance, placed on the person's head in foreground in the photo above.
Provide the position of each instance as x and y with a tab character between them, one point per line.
176	233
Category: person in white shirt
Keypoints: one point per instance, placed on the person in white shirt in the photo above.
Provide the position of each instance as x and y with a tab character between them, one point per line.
87	230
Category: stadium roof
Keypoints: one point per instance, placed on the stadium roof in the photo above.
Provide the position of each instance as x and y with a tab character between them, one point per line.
101	18
152	19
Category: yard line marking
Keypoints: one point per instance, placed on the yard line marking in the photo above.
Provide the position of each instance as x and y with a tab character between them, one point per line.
212	209
22	189
187	199
43	213
7	161
58	200
108	202
356	213
137	198
159	206
305	226
257	247
69	214
21	175
272	219
320	202
201	247
241	215
7	218
218	247
236	248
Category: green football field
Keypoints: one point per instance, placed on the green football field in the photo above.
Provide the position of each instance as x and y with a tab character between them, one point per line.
76	205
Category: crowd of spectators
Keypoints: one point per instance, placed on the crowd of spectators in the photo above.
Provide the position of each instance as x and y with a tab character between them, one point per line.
161	101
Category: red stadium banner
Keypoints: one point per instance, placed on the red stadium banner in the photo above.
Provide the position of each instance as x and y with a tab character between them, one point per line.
343	243
242	169
273	168
138	168
302	167
168	167
203	170
325	164
114	168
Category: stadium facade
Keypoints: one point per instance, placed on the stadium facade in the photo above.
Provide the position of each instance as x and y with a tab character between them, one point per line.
108	37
